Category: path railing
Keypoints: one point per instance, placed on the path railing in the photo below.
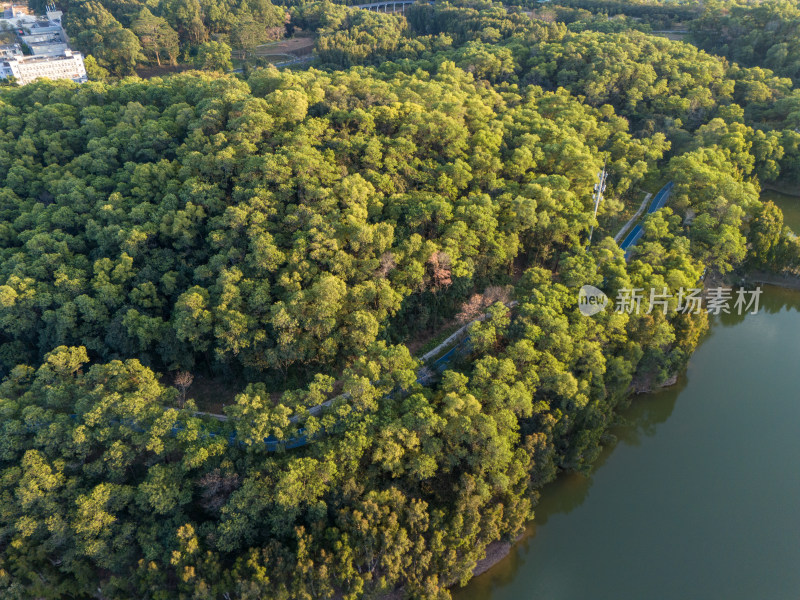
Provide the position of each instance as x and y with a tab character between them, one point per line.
384	6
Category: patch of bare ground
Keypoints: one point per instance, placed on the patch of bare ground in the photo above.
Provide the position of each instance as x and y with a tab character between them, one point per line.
495	552
669	381
300	44
646	383
714	279
148	72
209	393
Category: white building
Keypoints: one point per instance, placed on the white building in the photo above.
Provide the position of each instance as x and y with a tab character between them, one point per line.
12	17
8	51
25	69
51	57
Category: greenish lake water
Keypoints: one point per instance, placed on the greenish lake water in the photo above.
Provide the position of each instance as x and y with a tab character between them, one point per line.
699	499
790	205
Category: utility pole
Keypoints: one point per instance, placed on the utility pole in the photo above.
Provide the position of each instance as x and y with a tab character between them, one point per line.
599	188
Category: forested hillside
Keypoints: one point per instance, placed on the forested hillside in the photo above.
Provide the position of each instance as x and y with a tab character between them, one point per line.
294	231
764	33
754	33
192	222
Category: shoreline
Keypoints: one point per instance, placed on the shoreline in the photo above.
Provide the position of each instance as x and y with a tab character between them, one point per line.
499	550
495	552
785	189
786	281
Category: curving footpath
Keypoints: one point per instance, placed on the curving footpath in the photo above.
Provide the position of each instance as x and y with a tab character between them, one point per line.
425	376
634	218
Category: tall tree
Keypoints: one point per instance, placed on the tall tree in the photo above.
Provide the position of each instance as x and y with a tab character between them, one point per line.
156	36
186	17
214	56
248	34
95	31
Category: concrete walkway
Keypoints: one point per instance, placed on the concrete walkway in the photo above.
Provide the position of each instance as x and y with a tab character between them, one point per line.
621	233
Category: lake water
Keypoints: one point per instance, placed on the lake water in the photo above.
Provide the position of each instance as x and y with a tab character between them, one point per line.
699	499
790	205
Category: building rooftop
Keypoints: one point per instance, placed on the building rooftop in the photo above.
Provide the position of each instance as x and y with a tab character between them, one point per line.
44	26
9	50
46	58
11	11
47	48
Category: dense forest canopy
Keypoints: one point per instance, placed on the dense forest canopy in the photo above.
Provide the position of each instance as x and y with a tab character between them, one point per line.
192	222
296	231
764	33
659	14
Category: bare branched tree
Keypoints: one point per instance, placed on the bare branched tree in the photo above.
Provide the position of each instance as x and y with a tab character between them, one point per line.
216	487
441	271
478	303
183	379
388	264
471	309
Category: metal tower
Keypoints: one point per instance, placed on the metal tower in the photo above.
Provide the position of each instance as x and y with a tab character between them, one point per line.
599	188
